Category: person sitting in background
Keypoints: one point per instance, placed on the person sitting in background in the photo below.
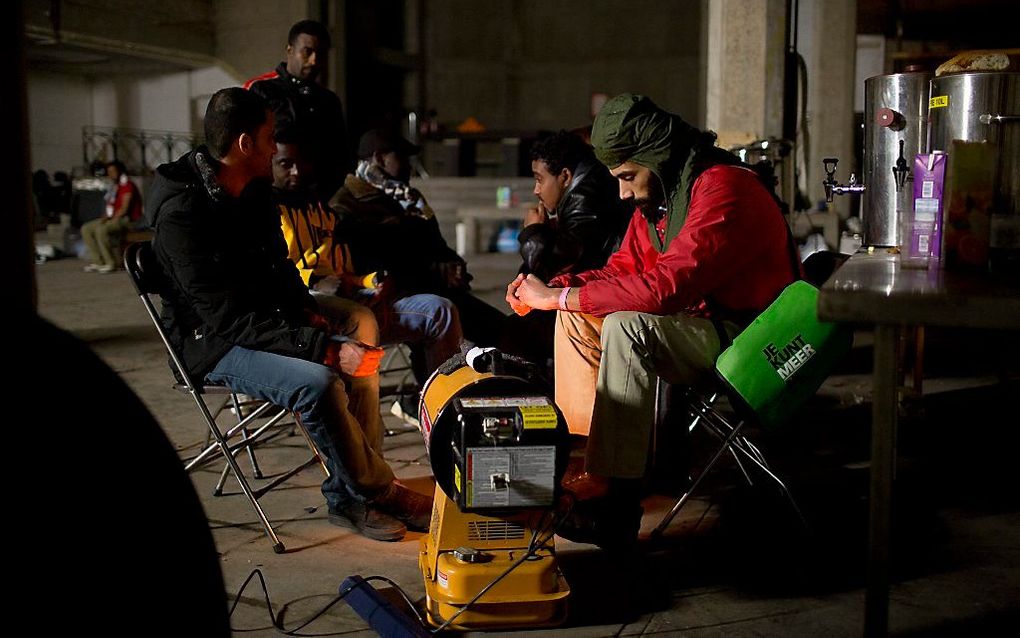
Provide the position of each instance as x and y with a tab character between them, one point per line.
104	236
242	317
707	249
390	227
41	195
372	314
578	222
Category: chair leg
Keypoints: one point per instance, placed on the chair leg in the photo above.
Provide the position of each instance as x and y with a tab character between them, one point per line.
256	471
718	430
743	470
751	452
779	483
664	523
278	546
315	458
315	449
737	445
229	434
209	444
218	490
394	361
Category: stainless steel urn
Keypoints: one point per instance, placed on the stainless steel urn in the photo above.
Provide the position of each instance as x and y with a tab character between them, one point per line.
985	107
895	129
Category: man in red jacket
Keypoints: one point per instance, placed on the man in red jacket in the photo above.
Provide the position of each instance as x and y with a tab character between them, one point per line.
707	249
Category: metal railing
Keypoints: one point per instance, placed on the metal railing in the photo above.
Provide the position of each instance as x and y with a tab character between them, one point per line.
140	150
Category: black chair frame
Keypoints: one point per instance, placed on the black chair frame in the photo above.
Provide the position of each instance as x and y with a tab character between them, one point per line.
146	276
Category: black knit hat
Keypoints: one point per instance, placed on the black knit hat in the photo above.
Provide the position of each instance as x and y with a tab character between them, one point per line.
384	141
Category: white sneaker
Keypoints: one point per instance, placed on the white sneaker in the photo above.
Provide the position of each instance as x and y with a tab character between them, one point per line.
91	268
401	413
106	269
247	403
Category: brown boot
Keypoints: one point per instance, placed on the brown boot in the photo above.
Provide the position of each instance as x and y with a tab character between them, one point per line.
586	487
407	506
369	521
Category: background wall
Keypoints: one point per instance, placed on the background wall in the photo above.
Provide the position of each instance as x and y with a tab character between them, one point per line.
60	105
518	66
251	35
533	64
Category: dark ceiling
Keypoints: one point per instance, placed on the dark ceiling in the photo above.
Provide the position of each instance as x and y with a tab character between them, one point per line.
940	25
952	25
118	37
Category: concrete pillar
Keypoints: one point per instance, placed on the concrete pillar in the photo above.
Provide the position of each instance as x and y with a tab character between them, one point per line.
744	93
827	42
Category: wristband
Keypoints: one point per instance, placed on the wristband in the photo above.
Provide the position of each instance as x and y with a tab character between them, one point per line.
563	298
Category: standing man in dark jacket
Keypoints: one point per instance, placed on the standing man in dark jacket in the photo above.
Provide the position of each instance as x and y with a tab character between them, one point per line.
300	102
241	316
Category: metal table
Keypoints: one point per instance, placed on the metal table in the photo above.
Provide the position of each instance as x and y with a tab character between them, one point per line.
875	289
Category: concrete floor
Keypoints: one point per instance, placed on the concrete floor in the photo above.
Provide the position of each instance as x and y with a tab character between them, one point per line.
734	563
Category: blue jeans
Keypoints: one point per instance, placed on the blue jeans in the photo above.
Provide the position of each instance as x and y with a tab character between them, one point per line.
429	324
316	395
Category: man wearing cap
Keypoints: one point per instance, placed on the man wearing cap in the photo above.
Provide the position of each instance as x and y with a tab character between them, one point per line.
390	227
707	249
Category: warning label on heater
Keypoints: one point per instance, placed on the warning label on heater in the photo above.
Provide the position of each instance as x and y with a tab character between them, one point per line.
538	417
503	402
511	476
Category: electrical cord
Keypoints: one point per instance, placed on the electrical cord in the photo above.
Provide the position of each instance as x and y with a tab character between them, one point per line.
274	617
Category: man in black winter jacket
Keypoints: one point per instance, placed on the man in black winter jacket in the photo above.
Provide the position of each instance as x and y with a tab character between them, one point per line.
300	102
242	317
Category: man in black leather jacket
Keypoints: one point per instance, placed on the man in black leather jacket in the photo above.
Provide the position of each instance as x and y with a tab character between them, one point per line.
579	219
299	102
577	224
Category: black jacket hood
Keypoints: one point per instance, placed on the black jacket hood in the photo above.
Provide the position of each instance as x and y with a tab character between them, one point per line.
181	179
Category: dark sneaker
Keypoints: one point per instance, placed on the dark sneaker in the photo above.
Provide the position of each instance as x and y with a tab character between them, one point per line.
407	506
613	527
368	521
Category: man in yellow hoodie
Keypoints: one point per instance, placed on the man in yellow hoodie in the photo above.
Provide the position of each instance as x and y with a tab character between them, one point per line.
361	302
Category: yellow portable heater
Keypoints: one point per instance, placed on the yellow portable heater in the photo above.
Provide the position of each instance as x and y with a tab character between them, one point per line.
497	445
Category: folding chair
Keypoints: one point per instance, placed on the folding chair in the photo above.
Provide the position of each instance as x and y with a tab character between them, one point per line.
146	276
396	379
395	370
769	371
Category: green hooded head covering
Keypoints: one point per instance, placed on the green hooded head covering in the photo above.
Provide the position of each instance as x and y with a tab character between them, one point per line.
631	128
